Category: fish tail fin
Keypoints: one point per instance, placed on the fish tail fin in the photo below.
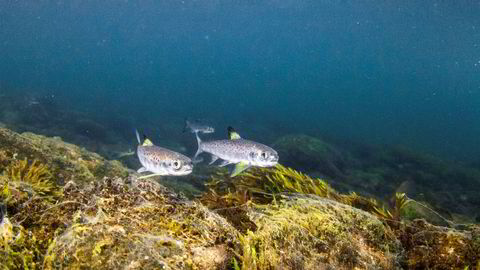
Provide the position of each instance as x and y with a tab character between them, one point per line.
138	136
199	141
199	150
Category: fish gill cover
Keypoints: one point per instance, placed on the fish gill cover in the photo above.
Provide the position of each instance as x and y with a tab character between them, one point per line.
370	105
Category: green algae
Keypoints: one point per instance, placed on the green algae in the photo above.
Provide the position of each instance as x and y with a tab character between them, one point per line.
142	225
265	185
316	232
271	224
433	247
18	247
65	161
267	218
33	179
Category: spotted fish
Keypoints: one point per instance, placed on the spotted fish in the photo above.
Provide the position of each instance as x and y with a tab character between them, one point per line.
161	161
243	153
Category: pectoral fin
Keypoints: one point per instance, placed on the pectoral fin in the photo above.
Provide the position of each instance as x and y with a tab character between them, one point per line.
214	158
148	176
239	168
142	169
224	163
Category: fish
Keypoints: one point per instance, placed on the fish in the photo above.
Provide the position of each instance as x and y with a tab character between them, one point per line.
161	161
243	153
120	155
197	126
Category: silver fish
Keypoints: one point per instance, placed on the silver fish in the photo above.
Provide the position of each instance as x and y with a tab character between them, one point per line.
243	153
120	155
196	127
161	161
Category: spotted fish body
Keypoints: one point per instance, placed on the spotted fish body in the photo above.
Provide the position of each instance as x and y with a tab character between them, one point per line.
162	161
240	150
243	153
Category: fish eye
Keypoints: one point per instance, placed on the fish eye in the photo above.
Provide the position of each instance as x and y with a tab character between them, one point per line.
176	165
264	154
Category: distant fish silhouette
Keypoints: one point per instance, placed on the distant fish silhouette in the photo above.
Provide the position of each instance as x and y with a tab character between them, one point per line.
196	126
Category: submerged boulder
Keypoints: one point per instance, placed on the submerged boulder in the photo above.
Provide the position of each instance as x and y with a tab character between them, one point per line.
288	220
64	207
139	226
434	247
309	232
65	161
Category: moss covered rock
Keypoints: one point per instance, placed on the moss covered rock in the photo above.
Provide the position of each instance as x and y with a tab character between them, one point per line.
139	226
67	208
434	247
65	161
309	232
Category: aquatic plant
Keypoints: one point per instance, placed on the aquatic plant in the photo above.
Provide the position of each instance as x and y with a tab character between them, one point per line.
261	185
65	161
231	197
307	232
277	218
141	225
278	209
266	185
35	179
251	197
395	214
434	247
17	247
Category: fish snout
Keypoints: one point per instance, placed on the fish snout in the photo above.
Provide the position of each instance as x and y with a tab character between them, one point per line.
274	157
188	165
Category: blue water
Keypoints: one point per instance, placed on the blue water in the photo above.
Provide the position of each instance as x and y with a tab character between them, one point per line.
373	72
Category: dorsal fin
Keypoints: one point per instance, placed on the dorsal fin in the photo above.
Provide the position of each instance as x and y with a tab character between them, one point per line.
146	141
232	134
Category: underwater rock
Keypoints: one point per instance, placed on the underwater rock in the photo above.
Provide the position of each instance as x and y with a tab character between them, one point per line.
433	247
69	208
65	161
100	218
310	154
284	227
191	185
449	188
140	226
309	232
41	115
